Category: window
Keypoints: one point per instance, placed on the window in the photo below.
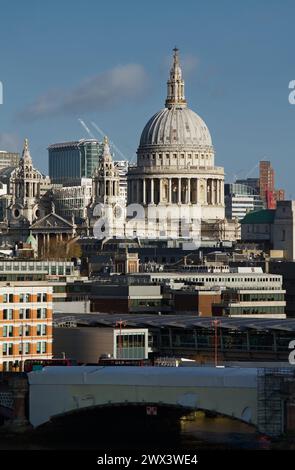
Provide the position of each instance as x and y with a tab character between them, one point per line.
24	297
7	314
24	330
41	297
7	349
41	347
41	313
41	330
7	331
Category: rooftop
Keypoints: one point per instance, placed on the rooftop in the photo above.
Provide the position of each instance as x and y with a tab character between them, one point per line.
265	216
175	321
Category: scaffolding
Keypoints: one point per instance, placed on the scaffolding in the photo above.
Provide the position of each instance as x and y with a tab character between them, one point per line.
271	399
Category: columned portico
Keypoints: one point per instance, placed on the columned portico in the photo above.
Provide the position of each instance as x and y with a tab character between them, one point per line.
159	190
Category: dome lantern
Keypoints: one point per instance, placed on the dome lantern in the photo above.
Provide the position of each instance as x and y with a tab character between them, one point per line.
175	85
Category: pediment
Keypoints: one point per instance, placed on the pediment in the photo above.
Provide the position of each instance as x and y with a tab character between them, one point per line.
52	221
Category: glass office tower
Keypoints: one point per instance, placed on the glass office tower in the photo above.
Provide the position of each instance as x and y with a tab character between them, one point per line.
71	161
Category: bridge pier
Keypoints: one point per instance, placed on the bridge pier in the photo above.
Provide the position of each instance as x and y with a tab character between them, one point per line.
276	401
289	393
19	388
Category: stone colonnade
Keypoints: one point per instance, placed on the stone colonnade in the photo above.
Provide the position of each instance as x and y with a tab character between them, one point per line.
47	241
176	190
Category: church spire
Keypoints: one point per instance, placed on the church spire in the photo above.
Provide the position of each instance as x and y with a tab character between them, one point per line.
26	156
175	84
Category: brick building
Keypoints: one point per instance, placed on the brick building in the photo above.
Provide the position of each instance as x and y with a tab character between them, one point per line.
25	323
196	301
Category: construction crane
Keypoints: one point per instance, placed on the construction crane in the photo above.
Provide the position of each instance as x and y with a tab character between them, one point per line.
251	171
111	142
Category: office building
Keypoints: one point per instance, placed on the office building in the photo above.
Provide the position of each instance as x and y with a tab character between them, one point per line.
25	323
87	344
266	181
122	168
73	200
115	297
71	161
8	159
274	228
241	199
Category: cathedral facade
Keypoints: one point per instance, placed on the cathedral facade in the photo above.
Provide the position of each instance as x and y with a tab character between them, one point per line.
28	210
174	191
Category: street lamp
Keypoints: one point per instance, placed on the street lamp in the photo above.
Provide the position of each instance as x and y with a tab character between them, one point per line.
216	323
120	323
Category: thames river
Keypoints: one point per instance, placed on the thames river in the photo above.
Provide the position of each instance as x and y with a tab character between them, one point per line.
197	432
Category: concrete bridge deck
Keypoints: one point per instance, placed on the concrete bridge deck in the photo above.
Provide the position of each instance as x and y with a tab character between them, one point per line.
55	391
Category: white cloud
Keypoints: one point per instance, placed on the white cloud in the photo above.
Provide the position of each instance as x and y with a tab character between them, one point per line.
189	63
102	91
9	142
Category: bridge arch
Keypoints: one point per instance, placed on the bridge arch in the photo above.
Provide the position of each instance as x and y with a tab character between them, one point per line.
230	392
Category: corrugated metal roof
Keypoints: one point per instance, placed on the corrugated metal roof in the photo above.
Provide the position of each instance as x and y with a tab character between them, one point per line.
177	321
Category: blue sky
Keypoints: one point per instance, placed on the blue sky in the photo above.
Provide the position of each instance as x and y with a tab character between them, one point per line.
108	62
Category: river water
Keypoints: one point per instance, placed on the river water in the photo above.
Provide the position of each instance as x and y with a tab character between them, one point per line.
197	432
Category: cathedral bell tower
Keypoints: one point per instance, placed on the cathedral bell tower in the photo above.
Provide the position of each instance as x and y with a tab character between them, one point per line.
26	184
106	201
106	179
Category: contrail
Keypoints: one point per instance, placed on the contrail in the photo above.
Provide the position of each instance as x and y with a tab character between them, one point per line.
112	143
86	129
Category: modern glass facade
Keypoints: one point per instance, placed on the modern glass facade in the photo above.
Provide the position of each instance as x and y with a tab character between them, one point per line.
131	345
195	340
241	199
71	161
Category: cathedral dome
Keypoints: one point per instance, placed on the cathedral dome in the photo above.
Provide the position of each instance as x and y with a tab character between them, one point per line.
176	126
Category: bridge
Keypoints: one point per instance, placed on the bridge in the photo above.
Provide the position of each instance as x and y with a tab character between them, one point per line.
58	390
258	397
